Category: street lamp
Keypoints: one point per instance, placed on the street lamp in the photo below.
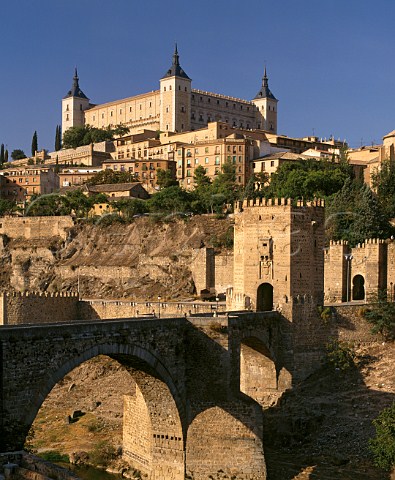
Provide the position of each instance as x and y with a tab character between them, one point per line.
217	300
391	291
159	299
348	257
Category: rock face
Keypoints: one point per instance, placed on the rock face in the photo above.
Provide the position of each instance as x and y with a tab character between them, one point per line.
141	260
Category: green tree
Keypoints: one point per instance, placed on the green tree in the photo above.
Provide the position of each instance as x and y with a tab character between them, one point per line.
165	178
34	144
109	176
7	207
224	185
18	154
2	154
47	205
355	214
308	179
383	445
79	204
383	182
58	138
6	156
85	134
171	200
200	178
129	207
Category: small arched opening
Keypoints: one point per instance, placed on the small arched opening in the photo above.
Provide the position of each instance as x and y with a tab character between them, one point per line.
358	288
264	298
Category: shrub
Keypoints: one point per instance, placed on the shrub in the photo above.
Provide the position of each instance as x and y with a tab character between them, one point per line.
340	355
381	314
54	456
383	445
103	453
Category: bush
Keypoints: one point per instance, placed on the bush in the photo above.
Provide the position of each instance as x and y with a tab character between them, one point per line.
54	456
383	445
340	355
381	314
102	454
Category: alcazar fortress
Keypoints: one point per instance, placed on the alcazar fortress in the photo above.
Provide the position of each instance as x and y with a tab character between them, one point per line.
175	107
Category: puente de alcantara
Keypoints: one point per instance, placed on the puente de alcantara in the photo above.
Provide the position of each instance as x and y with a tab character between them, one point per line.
195	405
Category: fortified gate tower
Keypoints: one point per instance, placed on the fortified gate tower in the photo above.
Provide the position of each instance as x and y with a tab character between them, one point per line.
279	265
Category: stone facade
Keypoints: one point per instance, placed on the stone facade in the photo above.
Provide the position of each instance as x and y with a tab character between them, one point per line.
175	107
35	227
355	274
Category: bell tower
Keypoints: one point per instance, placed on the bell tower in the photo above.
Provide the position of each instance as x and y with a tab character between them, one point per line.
73	105
266	103
175	98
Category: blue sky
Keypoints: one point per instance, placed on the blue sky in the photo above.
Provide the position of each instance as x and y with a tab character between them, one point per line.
330	63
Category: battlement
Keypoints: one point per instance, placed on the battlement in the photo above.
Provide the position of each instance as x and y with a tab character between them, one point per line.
41	294
272	202
334	243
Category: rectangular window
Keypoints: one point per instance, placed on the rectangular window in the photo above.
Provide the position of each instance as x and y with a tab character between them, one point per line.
206	160
196	161
216	160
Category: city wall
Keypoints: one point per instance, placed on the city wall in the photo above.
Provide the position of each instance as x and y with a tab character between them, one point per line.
36	308
35	227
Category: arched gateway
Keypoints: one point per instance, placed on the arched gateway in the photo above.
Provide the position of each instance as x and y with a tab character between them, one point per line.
264	298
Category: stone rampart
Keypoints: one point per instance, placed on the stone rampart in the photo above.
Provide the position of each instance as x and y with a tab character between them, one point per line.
36	308
109	309
35	227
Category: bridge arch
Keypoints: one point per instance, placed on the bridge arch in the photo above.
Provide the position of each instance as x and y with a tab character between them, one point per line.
153	409
218	441
358	287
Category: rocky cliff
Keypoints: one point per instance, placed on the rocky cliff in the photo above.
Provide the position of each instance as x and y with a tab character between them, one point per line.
140	260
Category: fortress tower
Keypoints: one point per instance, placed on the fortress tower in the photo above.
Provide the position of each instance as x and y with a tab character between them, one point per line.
73	106
175	98
266	104
279	265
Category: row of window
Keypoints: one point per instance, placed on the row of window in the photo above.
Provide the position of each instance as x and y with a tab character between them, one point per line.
179	88
218	102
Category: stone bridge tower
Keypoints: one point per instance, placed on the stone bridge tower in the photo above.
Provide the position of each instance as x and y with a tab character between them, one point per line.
279	265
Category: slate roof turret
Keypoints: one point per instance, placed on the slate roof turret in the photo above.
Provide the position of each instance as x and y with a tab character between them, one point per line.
265	92
175	70
75	89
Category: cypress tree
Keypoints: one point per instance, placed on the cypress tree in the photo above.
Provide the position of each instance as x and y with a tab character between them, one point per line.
34	144
6	156
58	138
2	154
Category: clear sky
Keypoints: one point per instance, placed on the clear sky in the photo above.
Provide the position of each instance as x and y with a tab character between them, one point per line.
330	62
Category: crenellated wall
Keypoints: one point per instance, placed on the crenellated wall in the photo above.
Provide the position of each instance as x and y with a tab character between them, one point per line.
18	308
355	274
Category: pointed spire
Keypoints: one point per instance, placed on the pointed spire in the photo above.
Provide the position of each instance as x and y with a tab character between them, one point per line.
75	88
265	92
175	70
265	81
176	58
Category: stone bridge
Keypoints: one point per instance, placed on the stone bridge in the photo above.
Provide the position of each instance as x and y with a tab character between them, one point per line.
197	386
